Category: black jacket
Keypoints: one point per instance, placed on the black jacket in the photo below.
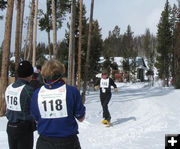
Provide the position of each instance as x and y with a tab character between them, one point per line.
108	89
25	99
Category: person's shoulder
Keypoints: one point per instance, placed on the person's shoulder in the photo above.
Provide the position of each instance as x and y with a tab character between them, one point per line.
110	79
29	88
71	88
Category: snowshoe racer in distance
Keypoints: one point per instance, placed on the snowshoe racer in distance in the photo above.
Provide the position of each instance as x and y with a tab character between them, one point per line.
105	84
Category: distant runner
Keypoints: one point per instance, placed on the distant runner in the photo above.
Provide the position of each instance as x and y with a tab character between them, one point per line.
105	84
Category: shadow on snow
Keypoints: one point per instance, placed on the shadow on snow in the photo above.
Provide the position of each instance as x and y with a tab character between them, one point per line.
123	120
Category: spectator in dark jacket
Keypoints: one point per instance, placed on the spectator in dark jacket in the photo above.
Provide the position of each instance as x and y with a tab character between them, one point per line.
18	95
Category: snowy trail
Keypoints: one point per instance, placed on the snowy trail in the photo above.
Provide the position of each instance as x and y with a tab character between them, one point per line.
141	116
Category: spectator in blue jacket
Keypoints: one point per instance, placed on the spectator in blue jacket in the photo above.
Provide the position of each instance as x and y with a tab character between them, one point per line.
18	97
55	107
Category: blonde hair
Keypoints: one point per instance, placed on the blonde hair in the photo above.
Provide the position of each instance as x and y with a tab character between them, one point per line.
52	68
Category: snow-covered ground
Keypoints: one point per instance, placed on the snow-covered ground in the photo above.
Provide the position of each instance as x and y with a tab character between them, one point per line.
141	116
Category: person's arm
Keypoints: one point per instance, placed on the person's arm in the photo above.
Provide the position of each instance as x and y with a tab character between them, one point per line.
96	85
113	84
80	109
82	119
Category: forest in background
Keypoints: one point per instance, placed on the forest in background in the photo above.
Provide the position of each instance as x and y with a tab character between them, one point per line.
83	45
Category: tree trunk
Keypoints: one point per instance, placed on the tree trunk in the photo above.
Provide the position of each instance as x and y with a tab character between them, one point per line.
29	57
17	36
27	40
35	34
71	45
79	45
88	50
21	24
49	44
5	55
54	29
48	31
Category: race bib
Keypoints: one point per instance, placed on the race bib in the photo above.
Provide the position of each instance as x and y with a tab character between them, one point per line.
52	102
12	96
104	83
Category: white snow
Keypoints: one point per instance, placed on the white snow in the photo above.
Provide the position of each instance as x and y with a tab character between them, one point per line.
141	116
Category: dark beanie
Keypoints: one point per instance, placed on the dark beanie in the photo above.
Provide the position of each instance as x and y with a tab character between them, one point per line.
104	71
25	69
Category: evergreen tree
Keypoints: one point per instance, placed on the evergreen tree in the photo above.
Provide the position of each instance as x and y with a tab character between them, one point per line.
96	49
164	45
173	21
177	51
127	43
3	5
147	43
112	44
128	50
5	55
149	49
84	39
95	53
45	22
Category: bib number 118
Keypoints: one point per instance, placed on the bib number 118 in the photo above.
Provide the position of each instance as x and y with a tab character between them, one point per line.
54	105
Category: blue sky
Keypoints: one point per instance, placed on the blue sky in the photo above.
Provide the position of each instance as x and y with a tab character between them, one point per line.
139	14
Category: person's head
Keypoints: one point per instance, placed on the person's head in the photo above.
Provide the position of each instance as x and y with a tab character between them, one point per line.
52	70
35	76
104	74
38	68
25	70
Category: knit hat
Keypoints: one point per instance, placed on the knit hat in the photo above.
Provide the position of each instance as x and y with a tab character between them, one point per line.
25	69
104	71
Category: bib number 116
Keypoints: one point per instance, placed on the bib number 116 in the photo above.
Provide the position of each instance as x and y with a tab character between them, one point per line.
12	100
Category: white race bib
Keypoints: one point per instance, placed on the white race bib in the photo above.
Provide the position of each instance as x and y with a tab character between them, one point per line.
104	83
12	96
52	102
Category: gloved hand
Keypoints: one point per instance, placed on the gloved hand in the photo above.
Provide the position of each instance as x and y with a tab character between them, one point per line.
115	90
96	87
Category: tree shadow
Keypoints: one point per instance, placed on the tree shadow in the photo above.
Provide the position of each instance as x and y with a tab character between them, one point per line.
123	120
140	93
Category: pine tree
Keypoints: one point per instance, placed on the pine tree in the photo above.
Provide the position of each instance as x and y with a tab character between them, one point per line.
86	68
112	44
80	43
164	45
127	48
29	56
3	5
5	55
71	57
173	21
177	51
45	22
149	47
